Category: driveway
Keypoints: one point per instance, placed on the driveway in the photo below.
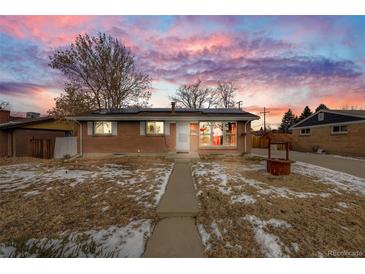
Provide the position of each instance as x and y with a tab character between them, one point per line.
348	165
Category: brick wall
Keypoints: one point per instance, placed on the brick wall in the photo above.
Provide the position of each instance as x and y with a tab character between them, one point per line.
129	140
3	144
352	143
4	116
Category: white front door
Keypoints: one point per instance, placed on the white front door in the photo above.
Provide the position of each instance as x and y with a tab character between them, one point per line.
182	137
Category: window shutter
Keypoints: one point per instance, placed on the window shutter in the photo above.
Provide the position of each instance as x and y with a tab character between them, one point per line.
114	128
142	128
89	128
167	128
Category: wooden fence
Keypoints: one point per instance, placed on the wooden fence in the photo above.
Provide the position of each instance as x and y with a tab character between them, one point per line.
262	142
42	148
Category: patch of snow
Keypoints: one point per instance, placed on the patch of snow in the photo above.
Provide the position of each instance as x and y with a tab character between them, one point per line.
114	241
272	222
285	192
205	236
163	179
243	198
65	174
256	167
216	231
6	251
105	208
270	245
295	247
341	180
342	204
349	158
32	193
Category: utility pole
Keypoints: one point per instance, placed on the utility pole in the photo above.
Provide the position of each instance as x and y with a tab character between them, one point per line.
239	104
264	112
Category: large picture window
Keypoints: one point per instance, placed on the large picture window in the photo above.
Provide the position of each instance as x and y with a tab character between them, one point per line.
102	128
218	134
155	128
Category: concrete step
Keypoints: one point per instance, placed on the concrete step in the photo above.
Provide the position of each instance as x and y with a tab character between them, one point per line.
175	237
177	155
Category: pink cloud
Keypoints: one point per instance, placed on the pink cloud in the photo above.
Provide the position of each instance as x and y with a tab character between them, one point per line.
50	30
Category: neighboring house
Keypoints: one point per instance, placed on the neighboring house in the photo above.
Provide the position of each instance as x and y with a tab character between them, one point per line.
165	130
30	136
334	131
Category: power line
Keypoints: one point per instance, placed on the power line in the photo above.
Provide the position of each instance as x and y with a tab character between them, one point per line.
264	112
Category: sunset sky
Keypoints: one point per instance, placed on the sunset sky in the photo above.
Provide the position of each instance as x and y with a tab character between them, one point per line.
275	61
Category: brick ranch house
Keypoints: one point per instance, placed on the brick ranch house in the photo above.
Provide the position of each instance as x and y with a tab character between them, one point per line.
334	131
164	131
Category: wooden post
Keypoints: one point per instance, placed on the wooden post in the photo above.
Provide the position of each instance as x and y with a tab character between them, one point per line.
287	150
269	147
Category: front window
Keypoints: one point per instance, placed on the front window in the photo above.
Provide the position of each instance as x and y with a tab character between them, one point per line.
305	131
205	133
155	128
102	128
218	133
339	129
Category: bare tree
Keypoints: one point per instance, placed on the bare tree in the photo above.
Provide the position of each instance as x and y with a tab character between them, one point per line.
226	94
194	96
72	101
4	105
101	74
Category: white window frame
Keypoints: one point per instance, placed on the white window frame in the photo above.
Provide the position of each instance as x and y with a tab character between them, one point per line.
340	129
103	134
321	116
155	134
305	133
211	135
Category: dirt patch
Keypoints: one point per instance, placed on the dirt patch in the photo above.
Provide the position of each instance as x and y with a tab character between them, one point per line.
293	216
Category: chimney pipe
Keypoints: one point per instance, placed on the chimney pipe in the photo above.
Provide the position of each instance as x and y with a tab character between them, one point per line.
4	116
173	106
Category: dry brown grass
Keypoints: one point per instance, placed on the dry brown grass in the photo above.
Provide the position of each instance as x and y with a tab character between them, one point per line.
318	224
95	203
21	160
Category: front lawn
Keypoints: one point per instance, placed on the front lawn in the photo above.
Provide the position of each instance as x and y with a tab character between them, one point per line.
246	212
82	208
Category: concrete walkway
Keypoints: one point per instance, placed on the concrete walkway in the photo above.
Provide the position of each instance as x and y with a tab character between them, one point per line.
348	165
176	235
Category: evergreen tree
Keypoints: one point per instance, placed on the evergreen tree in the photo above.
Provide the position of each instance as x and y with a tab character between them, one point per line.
306	112
287	121
321	106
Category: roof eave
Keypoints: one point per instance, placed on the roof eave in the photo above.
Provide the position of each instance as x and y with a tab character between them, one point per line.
167	118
